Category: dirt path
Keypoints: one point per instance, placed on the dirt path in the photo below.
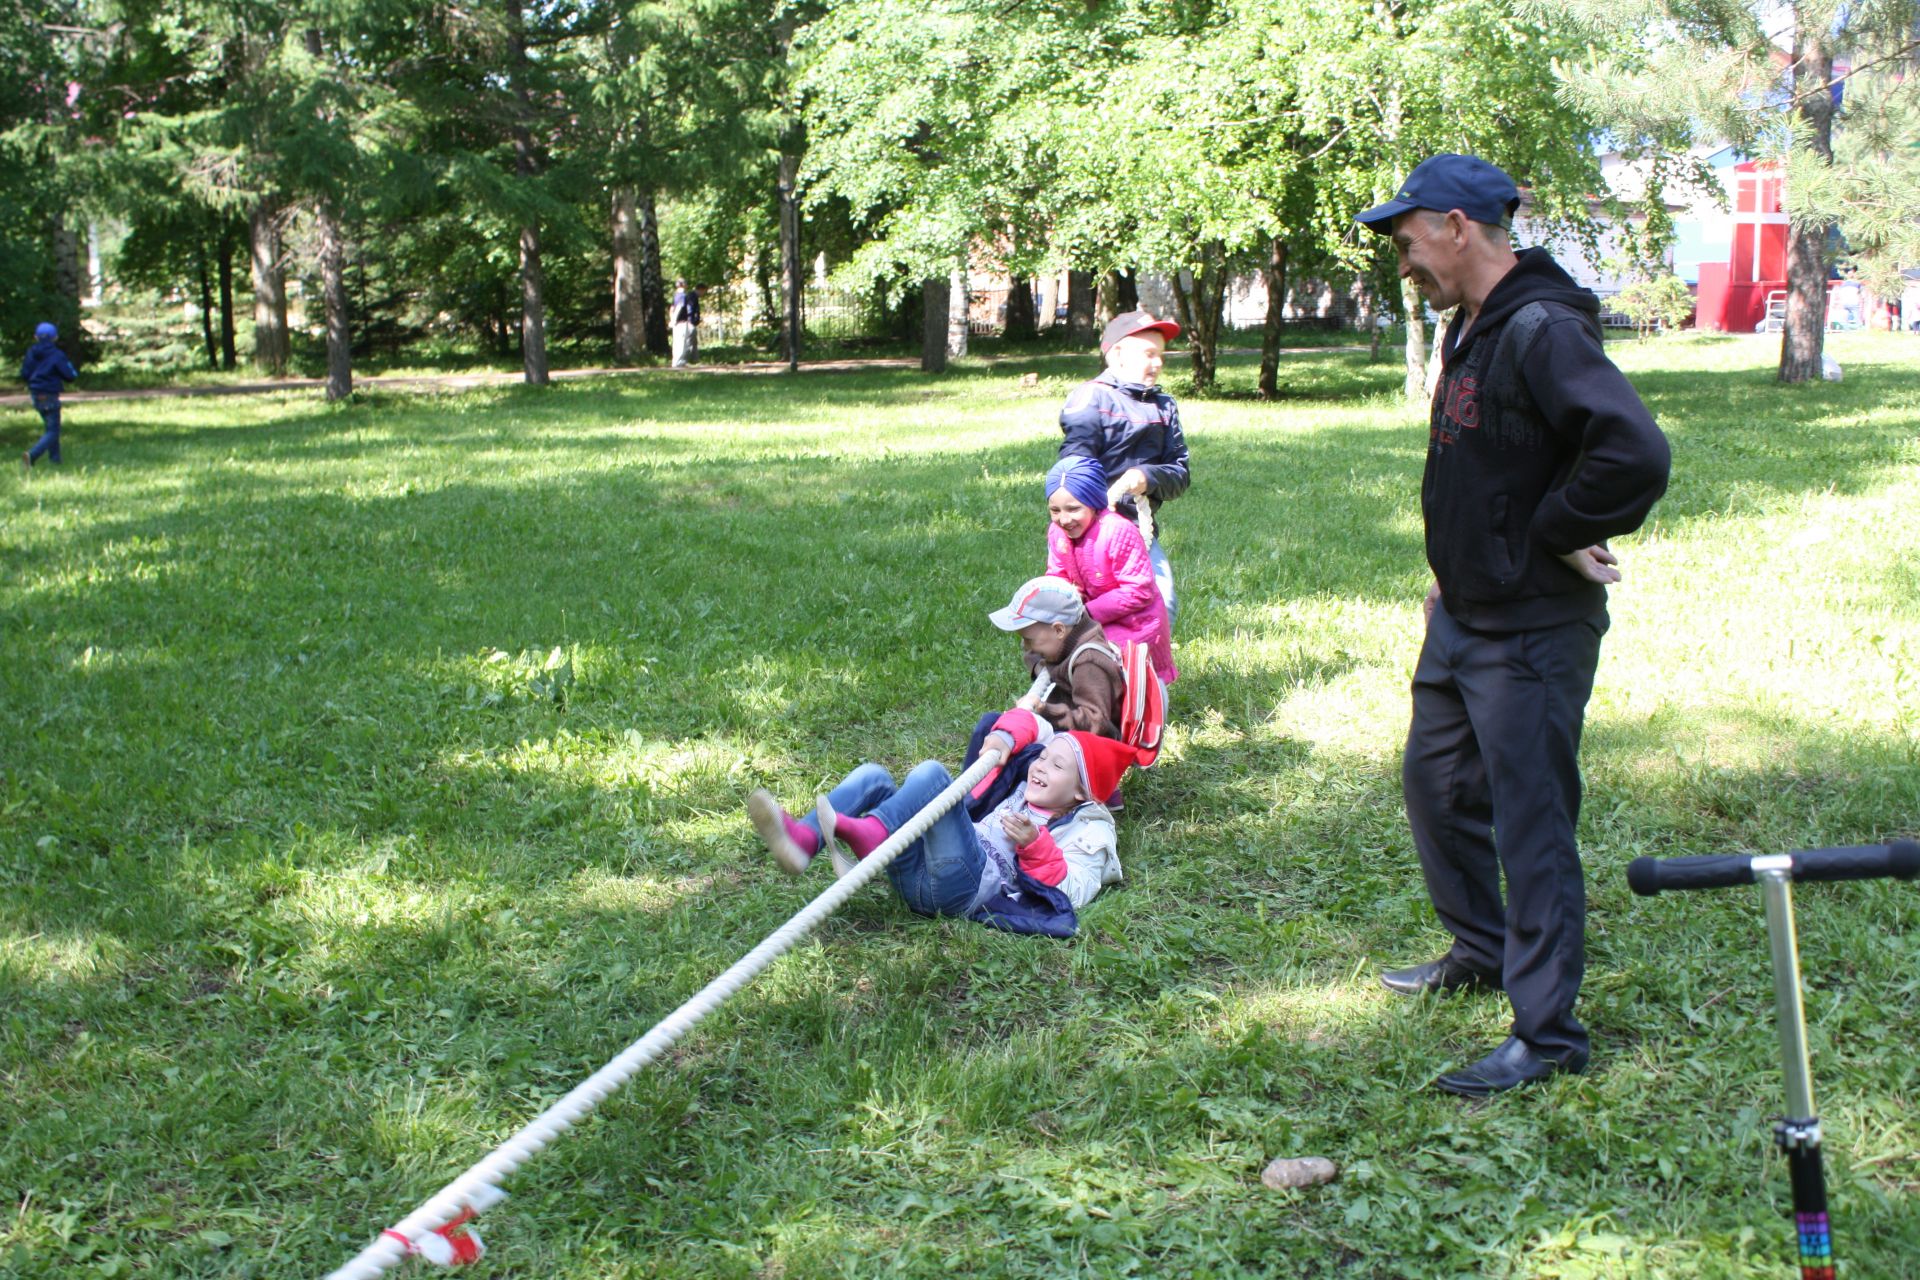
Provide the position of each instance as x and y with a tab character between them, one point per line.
467	381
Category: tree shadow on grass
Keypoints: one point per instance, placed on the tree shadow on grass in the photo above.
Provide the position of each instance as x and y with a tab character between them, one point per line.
301	663
1211	1016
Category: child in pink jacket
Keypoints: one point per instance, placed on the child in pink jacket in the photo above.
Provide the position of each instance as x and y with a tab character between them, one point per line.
1101	552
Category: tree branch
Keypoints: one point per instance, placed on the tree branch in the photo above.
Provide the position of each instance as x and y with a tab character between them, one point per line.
1818	89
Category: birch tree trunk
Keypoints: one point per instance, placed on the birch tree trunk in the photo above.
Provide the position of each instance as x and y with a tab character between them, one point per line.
271	349
1416	349
956	312
629	318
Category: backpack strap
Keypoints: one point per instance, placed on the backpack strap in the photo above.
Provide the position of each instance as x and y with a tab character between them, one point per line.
1098	646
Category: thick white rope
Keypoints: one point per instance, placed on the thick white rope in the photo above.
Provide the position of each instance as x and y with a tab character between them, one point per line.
1143	509
475	1189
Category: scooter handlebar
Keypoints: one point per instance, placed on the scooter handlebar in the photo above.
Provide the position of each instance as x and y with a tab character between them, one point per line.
1900	860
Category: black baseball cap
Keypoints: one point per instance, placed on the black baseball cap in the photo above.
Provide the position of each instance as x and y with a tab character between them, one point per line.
1442	183
1128	323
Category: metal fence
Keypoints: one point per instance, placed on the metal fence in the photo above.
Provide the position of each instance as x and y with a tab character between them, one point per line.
741	314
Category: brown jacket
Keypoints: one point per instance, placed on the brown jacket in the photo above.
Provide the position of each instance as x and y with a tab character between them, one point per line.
1089	698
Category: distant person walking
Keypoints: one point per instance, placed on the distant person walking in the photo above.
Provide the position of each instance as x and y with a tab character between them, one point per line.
46	371
1538	450
685	314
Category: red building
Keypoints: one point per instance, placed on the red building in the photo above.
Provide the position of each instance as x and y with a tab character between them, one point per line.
1734	295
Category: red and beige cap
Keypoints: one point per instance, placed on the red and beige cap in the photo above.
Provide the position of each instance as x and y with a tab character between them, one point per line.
1041	600
1128	323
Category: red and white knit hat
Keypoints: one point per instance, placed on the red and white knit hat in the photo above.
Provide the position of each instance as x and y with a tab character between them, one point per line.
1103	761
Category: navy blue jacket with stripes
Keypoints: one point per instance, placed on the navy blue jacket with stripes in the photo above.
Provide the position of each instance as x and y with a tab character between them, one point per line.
1125	424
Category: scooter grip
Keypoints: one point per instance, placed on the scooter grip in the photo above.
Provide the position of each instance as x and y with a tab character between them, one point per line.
1900	860
1648	876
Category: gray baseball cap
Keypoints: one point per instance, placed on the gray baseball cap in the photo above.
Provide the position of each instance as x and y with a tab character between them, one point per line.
1041	600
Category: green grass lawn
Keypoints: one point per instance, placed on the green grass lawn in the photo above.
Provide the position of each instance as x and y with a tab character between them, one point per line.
317	880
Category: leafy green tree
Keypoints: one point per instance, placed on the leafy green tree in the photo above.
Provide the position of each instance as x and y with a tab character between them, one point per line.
1184	139
48	54
1655	302
203	93
493	95
1401	82
1871	191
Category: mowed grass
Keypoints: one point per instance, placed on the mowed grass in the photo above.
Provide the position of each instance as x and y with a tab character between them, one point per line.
320	873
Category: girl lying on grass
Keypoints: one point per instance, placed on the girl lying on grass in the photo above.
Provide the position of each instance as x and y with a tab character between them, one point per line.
1102	554
1028	866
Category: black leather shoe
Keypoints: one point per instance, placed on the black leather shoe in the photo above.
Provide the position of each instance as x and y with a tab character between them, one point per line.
1511	1065
1444	974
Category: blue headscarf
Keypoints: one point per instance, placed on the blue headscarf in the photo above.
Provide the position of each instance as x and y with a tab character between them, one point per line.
44	332
1084	478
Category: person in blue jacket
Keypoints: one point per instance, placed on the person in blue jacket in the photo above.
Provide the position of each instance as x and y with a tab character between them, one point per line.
46	370
1123	419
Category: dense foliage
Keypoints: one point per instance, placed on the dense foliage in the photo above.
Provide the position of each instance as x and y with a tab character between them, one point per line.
519	172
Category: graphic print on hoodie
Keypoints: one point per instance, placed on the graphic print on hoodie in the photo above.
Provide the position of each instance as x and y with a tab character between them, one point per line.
1537	446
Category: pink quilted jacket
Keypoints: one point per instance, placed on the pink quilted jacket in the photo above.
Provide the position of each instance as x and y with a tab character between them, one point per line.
1109	564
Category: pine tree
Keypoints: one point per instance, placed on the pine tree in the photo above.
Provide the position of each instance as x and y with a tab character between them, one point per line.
1760	74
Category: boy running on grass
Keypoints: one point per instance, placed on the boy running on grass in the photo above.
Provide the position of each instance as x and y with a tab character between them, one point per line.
46	371
1131	427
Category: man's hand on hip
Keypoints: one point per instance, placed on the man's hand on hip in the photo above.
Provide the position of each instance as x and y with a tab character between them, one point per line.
1594	563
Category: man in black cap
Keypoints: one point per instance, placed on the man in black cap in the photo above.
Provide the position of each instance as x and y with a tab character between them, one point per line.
1539	450
1123	419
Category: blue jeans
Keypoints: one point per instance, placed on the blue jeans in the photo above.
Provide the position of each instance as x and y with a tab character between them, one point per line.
1163	578
936	875
48	403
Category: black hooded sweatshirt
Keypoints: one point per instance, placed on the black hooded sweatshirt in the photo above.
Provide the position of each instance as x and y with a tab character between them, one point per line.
1539	446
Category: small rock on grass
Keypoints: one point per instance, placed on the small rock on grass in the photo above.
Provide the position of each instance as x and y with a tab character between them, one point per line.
1306	1171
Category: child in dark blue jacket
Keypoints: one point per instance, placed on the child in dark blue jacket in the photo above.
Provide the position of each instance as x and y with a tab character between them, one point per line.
46	370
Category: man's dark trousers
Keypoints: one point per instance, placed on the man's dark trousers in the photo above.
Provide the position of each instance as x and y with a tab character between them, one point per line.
1492	763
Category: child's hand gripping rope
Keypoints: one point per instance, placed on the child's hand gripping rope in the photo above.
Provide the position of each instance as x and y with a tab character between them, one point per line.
1125	487
1016	728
